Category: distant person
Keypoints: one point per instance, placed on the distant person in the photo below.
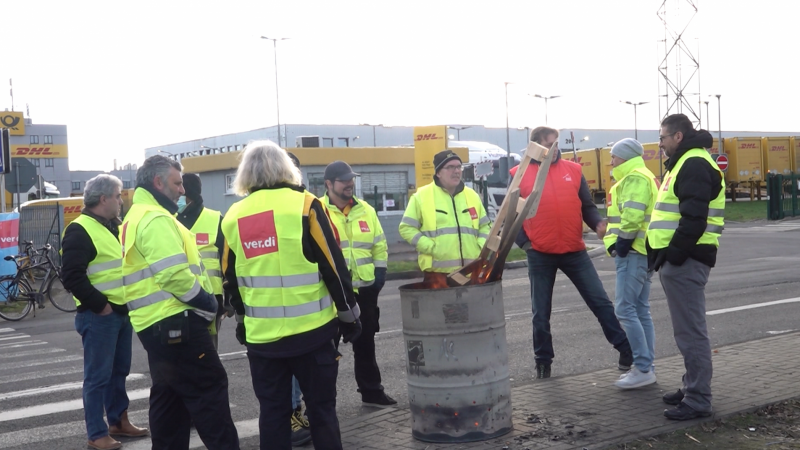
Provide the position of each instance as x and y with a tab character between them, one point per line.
445	220
632	199
206	225
292	293
364	247
92	271
682	241
553	239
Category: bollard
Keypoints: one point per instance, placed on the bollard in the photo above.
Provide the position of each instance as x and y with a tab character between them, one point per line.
457	362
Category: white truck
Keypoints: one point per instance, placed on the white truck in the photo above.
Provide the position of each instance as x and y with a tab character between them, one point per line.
492	187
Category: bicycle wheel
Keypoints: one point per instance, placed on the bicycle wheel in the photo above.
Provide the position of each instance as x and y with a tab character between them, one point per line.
58	296
15	302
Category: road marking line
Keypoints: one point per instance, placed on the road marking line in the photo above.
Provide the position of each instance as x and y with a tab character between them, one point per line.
41	362
14	336
755	305
56	388
59	431
39	374
32	353
21	344
779	332
245	429
52	408
6	330
240	352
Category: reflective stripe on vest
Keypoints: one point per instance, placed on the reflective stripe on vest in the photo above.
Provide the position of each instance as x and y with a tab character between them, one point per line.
456	240
666	214
205	230
282	291
105	270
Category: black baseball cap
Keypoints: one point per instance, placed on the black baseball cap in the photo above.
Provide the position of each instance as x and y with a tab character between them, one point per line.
443	157
339	170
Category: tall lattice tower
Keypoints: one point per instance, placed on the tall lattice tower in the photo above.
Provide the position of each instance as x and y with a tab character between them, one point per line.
679	69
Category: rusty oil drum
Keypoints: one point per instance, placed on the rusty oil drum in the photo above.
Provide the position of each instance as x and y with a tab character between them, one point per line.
458	379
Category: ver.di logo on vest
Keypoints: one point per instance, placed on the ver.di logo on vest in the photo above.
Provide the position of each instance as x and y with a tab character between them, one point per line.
201	238
258	235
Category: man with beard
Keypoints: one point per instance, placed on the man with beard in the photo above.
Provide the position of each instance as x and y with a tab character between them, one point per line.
364	247
682	241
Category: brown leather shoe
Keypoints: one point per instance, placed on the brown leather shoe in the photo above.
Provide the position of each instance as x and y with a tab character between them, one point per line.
105	443
126	428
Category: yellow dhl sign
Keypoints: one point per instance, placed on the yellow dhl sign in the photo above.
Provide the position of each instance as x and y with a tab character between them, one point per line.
39	151
13	121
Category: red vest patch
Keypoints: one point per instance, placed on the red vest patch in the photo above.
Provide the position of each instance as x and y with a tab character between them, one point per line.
257	234
472	213
201	238
364	226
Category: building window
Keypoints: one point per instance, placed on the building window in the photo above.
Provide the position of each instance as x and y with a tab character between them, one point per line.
126	184
392	192
327	142
48	139
35	162
76	185
34	139
48	162
229	178
343	142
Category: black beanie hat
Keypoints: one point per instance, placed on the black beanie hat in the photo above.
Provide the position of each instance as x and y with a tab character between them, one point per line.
192	186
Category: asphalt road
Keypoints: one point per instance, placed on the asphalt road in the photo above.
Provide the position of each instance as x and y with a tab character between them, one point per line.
41	363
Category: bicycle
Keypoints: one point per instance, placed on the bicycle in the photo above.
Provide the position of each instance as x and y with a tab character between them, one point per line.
19	294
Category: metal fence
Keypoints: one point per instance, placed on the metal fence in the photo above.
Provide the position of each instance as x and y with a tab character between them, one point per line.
783	192
42	224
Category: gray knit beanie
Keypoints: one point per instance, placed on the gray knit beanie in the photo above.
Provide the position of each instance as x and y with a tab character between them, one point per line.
627	149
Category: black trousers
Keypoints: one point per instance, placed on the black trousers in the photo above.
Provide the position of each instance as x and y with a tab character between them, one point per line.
316	372
365	364
190	385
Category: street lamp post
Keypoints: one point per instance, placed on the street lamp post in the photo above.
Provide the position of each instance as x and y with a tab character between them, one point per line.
508	135
719	121
374	141
635	117
708	118
546	98
458	129
277	101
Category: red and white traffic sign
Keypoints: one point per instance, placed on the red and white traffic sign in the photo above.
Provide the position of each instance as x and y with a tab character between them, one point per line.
722	162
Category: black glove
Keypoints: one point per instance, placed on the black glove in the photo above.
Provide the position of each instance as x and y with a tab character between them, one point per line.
350	331
661	258
380	278
612	250
240	333
676	256
623	246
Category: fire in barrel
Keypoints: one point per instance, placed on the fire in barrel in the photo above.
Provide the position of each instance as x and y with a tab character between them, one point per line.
458	379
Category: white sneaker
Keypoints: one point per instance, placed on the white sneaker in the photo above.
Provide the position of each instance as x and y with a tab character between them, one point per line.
635	379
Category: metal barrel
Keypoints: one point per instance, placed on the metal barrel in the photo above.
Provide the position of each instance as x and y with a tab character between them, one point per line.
458	380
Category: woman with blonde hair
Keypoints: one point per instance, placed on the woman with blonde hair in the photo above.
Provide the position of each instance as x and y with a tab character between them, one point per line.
292	292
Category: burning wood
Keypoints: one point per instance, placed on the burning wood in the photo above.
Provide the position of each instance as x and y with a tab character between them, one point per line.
514	211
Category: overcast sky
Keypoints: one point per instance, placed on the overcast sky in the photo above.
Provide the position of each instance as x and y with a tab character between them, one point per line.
128	75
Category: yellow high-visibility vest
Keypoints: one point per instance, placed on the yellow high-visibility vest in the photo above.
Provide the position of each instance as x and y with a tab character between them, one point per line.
640	210
283	293
105	270
205	231
666	213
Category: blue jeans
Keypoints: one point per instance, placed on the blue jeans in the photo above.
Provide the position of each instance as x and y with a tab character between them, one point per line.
295	393
632	306
542	268
106	364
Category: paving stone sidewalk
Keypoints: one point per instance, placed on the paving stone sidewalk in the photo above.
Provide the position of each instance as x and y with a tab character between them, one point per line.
588	411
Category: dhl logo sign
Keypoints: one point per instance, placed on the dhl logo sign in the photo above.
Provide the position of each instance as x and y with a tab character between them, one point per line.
72	209
745	145
36	151
428	137
583	163
778	148
649	155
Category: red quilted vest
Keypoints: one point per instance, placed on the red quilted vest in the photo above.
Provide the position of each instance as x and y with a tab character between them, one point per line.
557	227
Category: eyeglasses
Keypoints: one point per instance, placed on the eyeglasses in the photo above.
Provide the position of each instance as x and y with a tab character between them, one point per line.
451	168
661	138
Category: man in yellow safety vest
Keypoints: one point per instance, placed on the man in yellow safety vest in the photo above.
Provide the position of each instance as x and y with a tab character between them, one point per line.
364	247
445	220
168	295
92	271
631	202
682	241
206	224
